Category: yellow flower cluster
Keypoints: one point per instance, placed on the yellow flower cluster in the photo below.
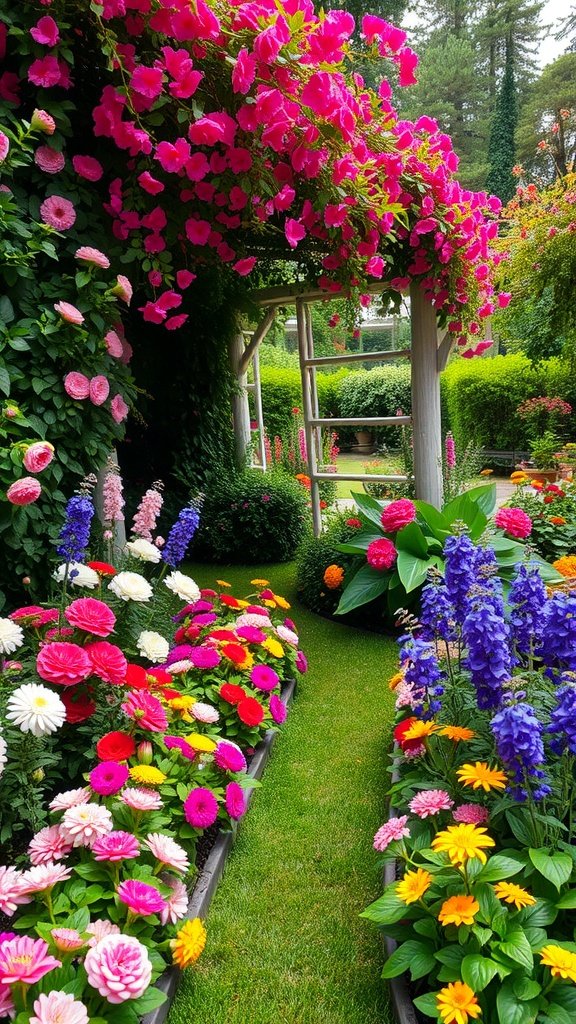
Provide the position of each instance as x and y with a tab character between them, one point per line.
566	566
189	943
147	775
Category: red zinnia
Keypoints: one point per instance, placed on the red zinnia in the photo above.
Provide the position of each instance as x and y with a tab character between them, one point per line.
354	522
223	634
136	677
400	731
230	602
250	711
234	653
231	693
115	746
103	568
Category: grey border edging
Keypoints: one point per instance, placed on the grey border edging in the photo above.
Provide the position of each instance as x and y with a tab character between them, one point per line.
209	877
402	1004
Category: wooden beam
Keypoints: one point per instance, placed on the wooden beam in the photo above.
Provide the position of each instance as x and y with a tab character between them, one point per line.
257	337
308	403
376	478
427	431
286	295
359	357
362	421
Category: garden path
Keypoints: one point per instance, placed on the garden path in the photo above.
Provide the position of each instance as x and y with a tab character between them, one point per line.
285	943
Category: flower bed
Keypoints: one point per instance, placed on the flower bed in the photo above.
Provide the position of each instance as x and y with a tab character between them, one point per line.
481	825
120	749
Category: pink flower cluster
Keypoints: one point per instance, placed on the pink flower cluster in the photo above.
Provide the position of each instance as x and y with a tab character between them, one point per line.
397	515
514	521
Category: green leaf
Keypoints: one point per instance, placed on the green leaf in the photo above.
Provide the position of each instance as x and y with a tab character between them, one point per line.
417	957
365	586
452	956
567	901
499	867
4	381
557	1014
478	971
411	539
511	1010
517	947
151	998
484	495
433	519
370	508
526	988
386	910
565	995
539	916
6	310
555	867
427	1004
413	571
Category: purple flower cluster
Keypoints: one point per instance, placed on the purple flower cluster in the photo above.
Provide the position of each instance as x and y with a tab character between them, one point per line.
460	554
558	649
563	718
422	671
181	535
486	635
527	601
75	533
436	612
518	736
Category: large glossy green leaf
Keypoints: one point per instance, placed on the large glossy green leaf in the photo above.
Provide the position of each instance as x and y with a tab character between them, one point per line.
359	542
499	867
478	971
555	867
417	957
365	586
433	519
512	1010
370	507
411	539
386	910
516	947
413	571
484	495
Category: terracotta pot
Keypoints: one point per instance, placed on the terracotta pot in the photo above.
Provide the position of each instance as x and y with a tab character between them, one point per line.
545	476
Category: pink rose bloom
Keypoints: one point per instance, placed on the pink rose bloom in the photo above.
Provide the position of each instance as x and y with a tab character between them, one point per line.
235	801
397	515
24	491
430	801
58	212
91	615
89	255
4	147
71	314
381	554
108	777
146	710
48	845
392	831
63	663
76	385
99	390
113	344
107	661
87	167
141	898
229	757
119	968
59	1008
41	121
119	409
37	456
25	960
470	814
201	808
123	289
116	846
49	160
513	521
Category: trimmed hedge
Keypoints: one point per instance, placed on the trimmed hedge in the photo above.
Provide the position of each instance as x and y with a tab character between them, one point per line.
282	391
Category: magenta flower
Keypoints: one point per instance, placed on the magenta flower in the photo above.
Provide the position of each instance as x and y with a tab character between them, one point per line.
119	968
116	846
146	710
513	521
381	554
470	814
264	678
205	657
91	616
251	633
278	709
108	777
392	831
87	167
178	743
235	800
201	808
49	160
140	898
301	662
398	514
229	757
430	801
25	961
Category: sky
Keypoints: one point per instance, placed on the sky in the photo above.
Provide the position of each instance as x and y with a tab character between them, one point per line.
550	48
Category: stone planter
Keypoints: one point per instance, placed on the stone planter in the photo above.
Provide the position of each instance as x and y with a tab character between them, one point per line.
545	476
365	445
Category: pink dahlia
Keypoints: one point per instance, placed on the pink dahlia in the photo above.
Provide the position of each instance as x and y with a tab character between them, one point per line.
25	961
89	255
7	1008
58	212
288	635
13	890
229	757
278	709
67	940
63	663
119	968
87	167
176	901
116	846
119	409
24	491
141	799
37	456
99	930
99	389
381	554
201	808
513	521
71	314
398	514
76	385
165	850
84	824
146	710
48	845
392	831
49	160
264	678
470	814
91	616
59	1008
71	798
235	800
107	661
430	801
108	777
45	876
141	898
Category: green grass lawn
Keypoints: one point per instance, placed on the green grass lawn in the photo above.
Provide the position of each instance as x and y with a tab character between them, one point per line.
351	463
285	943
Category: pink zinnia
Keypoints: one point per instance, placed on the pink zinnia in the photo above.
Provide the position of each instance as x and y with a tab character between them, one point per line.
48	845
119	968
76	385
205	657
87	167
67	940
398	514
116	846
13	890
235	800
381	554
392	831
59	1008
63	663
25	961
58	212
201	808
71	798
91	615
38	456
49	160
141	898
176	901
99	389
146	710
178	743
278	709
71	314
168	852
229	757
430	801
45	876
89	255
264	678
84	824
513	521
99	930
470	814
251	634
107	661
24	491
140	799
108	777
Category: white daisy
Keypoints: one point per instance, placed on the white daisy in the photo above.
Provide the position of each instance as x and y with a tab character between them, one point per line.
36	709
11	636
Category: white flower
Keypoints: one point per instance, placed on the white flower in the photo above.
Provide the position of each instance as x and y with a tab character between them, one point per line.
152	646
177	668
84	824
143	550
71	798
78	574
11	636
130	586
36	709
204	713
3	755
182	585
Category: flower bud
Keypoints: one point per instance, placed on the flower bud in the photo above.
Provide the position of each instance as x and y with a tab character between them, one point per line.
38	775
144	752
41	121
26	581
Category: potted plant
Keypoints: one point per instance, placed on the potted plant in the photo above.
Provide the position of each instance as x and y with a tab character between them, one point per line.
544	458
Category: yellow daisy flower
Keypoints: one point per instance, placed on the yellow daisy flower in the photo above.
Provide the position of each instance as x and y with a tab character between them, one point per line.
463	843
457	733
203	744
518	477
147	775
511	893
457	1003
562	962
274	647
395	680
260	583
189	943
183	703
460	909
481	776
223	583
282	602
413	886
419	730
242	604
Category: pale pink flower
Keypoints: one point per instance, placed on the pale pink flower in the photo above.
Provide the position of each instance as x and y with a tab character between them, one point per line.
252	619
123	289
49	160
112	498
42	122
12	890
170	853
99	390
48	845
406	696
415	752
67	940
45	876
113	344
88	254
59	1008
37	456
58	212
76	385
392	831
116	846
7	1008
470	814
119	968
430	801
119	409
148	511
71	314
71	798
141	799
99	930
84	824
176	902
25	960
24	491
204	712
288	635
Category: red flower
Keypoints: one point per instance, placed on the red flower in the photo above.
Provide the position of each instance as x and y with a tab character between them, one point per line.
136	678
381	554
79	706
160	677
102	568
230	602
235	653
108	662
223	634
115	746
231	693
354	522
250	711
403	728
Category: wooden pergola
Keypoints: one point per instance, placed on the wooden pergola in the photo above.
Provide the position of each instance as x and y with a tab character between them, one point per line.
428	354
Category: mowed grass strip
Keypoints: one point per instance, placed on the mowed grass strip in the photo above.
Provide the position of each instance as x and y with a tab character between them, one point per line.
285	943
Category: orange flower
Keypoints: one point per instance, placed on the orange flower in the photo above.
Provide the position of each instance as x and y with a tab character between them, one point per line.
537	485
557	521
333	577
486	472
457	733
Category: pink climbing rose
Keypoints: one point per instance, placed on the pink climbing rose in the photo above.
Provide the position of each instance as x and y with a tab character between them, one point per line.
99	390
119	409
38	456
76	385
24	491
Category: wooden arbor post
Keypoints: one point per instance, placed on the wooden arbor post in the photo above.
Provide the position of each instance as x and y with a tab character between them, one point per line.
240	355
426	421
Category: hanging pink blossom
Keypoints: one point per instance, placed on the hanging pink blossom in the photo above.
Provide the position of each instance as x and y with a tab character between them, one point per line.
119	409
87	167
45	31
87	254
71	314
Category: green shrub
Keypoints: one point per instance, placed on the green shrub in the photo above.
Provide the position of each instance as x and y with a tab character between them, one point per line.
282	391
252	517
378	392
277	357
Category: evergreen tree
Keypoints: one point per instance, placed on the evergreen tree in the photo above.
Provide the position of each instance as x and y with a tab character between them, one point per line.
548	116
510	26
391	10
501	148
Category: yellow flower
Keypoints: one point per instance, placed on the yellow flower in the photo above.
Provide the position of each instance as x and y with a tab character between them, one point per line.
462	843
189	943
413	886
260	583
562	962
242	604
223	583
481	776
459	909
203	744
247	663
511	893
395	680
333	576
269	602
419	730
486	472
457	733
147	775
518	477
183	703
457	1003
566	565
281	602
274	647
